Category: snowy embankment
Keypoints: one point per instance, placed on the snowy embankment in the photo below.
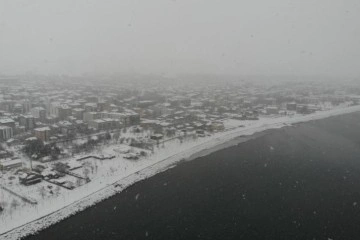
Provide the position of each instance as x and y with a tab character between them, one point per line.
49	212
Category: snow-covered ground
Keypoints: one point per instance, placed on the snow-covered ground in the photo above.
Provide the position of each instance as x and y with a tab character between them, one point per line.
109	177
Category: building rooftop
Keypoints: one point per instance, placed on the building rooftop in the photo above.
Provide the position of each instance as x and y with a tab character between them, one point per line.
6	120
42	129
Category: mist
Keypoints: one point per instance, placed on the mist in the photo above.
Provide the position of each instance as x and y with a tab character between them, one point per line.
166	37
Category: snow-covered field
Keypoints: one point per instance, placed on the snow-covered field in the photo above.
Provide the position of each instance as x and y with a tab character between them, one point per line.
113	176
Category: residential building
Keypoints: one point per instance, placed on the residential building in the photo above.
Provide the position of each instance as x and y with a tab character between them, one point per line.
7	122
272	110
39	113
42	133
10	164
291	106
54	109
89	116
78	113
28	121
97	124
6	133
64	111
90	107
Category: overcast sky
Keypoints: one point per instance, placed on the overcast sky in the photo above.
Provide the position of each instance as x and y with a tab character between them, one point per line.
307	37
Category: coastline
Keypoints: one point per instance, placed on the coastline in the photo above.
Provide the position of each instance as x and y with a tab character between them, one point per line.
212	144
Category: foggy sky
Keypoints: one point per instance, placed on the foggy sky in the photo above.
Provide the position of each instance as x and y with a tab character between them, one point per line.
308	37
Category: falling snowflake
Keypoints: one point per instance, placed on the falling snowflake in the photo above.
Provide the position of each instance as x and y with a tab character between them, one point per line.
137	196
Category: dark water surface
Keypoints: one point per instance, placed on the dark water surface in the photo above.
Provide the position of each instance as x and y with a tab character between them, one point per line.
299	182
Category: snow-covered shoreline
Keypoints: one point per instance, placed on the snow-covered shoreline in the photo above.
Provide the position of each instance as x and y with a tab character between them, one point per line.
118	183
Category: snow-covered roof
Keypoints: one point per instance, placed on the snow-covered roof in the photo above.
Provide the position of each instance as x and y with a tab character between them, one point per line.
98	121
31	139
10	162
43	129
6	120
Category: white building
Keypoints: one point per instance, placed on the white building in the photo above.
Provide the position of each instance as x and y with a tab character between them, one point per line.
39	113
11	164
54	109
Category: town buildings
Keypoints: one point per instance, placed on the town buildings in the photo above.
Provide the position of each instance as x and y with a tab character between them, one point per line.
57	113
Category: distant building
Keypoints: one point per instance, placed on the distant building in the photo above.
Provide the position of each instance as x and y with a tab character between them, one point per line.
161	109
302	108
268	101
178	101
26	106
7	122
81	125
11	164
50	120
19	130
74	105
42	133
82	102
18	108
97	124
54	109
92	99
78	113
134	119
39	113
128	118
67	127
111	123
145	104
90	107
64	111
272	110
102	106
291	106
7	105
28	121
6	133
90	116
216	126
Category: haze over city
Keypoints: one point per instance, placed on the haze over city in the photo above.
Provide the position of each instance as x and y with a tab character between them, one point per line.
179	119
172	37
